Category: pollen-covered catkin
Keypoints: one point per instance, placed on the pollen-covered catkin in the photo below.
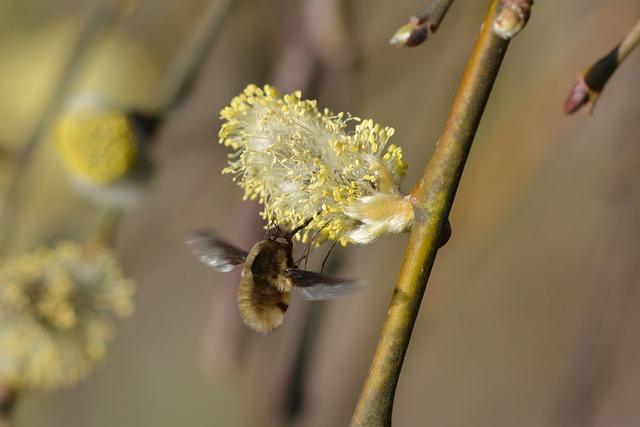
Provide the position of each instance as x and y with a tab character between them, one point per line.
98	146
55	307
302	163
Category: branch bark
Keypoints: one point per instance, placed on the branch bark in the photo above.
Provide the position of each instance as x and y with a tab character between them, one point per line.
433	197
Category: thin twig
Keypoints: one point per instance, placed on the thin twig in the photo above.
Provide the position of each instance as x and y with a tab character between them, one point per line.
592	81
184	71
421	25
433	197
7	404
179	84
91	27
108	226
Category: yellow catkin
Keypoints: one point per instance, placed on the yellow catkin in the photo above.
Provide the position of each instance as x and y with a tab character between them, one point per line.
302	163
55	307
96	146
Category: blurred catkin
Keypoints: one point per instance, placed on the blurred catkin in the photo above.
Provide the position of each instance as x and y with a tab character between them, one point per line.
96	146
55	307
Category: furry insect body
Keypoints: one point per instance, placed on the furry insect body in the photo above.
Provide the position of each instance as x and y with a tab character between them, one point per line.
268	276
265	287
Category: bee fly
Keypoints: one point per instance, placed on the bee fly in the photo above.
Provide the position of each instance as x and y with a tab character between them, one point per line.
268	275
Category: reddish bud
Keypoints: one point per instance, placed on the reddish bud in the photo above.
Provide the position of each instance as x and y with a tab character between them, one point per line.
579	96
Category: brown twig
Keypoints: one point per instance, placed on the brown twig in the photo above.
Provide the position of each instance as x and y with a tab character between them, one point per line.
97	18
421	25
7	404
433	197
592	81
184	71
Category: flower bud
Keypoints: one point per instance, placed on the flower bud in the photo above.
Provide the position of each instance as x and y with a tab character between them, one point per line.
511	17
411	34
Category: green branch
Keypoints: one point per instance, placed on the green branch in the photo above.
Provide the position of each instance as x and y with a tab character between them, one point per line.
433	197
592	81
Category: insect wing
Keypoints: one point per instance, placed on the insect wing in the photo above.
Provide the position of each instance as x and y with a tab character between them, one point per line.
316	286
213	251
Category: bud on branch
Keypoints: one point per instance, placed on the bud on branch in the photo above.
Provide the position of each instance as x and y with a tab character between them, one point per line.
422	25
511	18
592	81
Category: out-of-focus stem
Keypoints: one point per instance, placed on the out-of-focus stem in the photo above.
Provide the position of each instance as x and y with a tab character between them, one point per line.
91	27
222	347
421	25
7	403
433	197
108	226
182	74
592	80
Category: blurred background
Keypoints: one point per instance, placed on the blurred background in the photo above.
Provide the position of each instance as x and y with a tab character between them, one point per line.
529	316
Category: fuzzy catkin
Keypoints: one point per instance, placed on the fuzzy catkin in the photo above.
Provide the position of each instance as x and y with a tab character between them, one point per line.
98	146
55	307
302	163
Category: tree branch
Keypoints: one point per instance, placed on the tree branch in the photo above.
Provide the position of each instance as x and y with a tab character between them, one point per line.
433	197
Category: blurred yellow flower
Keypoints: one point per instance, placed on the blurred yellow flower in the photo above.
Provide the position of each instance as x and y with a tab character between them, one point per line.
97	145
54	307
302	163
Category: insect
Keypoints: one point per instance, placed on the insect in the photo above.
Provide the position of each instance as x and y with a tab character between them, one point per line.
268	276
